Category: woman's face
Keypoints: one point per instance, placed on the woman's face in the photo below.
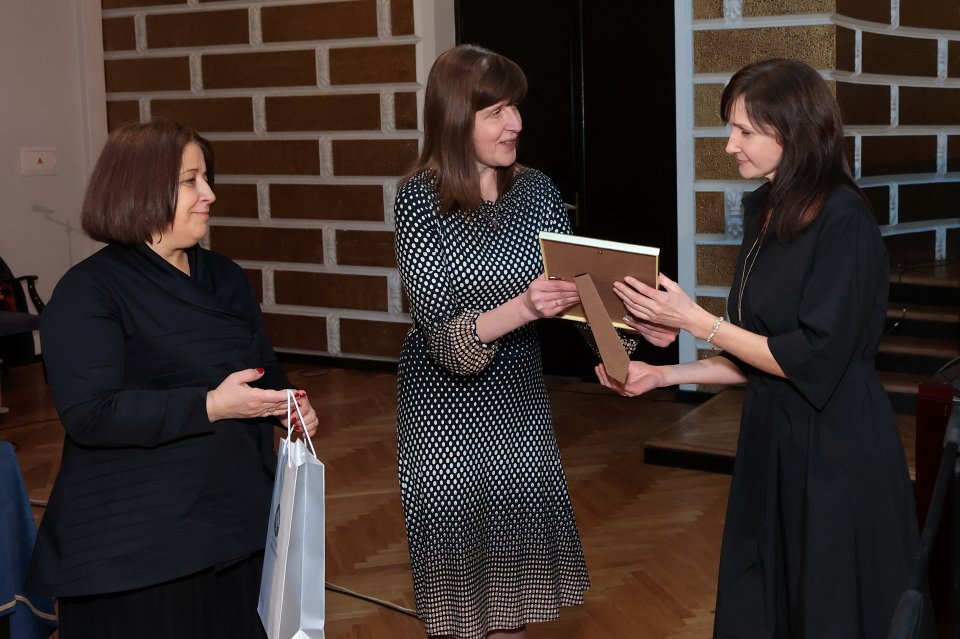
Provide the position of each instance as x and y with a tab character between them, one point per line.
194	198
758	154
495	132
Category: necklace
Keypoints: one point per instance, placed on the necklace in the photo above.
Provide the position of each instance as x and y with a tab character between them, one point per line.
757	244
488	213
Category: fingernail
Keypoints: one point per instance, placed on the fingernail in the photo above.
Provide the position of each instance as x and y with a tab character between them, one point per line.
301	394
260	371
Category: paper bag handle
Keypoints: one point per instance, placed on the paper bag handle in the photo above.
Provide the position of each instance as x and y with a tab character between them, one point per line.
292	401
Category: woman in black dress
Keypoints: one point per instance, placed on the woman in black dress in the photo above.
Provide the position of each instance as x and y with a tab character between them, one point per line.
169	393
821	527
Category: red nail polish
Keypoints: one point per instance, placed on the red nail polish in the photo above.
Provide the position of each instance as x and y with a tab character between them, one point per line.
260	371
302	394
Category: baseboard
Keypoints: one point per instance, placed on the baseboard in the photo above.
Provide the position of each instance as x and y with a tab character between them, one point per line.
328	361
707	462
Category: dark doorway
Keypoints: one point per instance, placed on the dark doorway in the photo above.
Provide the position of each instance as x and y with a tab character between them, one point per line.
599	120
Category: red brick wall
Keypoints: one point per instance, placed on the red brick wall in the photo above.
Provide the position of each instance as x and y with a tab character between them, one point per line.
312	112
901	103
894	67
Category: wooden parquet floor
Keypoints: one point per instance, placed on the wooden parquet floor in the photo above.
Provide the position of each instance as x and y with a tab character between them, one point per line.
651	534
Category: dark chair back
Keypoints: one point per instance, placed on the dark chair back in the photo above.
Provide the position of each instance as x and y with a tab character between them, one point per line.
17	349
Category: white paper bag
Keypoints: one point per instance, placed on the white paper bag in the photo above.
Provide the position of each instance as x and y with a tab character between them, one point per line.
292	597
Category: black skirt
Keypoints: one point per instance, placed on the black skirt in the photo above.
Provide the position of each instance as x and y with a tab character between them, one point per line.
211	604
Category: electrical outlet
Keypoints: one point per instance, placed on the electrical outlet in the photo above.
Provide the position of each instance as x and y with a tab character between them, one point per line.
38	160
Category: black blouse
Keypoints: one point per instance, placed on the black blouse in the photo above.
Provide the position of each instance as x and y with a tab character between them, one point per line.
149	489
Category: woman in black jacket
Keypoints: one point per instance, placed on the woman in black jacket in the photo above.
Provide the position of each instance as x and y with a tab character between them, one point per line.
169	392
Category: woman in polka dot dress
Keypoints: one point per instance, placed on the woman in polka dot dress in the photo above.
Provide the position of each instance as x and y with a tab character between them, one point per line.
493	541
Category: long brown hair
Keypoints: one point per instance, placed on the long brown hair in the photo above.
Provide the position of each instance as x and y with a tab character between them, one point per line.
462	81
788	99
132	192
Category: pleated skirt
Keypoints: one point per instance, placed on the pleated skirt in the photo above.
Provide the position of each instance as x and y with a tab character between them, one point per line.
211	604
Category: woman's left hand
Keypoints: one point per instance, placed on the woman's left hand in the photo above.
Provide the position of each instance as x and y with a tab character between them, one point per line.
310	419
670	308
549	297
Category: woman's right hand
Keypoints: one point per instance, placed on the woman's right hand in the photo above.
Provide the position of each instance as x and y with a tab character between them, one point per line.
234	398
549	298
641	377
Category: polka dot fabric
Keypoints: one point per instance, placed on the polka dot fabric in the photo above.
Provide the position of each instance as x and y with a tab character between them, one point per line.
493	541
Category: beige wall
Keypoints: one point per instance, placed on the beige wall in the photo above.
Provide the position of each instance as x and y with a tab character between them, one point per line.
49	98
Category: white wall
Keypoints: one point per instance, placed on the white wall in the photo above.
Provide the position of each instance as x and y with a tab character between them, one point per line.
435	24
51	94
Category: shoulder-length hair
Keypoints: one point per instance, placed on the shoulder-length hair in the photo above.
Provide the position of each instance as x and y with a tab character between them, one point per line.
789	100
132	192
462	81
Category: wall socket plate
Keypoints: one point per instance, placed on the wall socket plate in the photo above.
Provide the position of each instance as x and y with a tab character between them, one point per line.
38	160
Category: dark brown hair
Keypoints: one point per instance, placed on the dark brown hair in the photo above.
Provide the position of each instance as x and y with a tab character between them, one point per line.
789	100
462	81
132	192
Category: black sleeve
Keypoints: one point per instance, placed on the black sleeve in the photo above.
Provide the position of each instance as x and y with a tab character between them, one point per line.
82	335
836	300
